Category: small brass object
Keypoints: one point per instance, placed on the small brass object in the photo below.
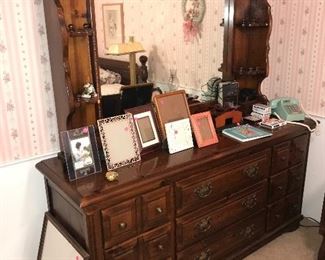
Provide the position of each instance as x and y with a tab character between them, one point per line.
111	176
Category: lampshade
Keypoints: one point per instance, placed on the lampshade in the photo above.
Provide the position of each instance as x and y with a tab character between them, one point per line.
125	48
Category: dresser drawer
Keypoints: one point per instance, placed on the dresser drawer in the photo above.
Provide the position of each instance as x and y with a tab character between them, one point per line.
120	222
125	251
213	185
157	244
278	186
296	178
156	208
276	214
196	226
280	157
227	240
294	202
298	149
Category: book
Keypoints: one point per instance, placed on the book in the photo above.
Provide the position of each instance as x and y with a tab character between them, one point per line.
244	133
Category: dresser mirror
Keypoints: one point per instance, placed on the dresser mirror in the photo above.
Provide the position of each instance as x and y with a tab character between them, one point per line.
172	62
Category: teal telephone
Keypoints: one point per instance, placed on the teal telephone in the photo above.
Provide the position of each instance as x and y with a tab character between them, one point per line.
287	109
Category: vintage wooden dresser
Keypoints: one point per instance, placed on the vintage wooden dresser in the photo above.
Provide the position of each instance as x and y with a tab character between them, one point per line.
219	202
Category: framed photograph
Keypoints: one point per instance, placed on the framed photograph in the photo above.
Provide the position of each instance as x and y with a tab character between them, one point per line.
80	152
203	128
57	243
119	140
179	135
146	126
113	23
171	106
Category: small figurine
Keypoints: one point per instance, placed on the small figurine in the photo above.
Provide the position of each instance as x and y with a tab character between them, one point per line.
89	91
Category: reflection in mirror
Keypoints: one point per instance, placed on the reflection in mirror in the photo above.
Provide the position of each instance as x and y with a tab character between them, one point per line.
158	25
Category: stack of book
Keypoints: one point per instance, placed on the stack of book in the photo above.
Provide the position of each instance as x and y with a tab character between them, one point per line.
244	133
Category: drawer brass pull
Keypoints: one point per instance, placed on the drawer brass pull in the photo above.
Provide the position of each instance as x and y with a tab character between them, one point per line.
283	158
205	255
160	247
249	231
252	171
204	225
122	225
280	188
203	191
250	202
159	210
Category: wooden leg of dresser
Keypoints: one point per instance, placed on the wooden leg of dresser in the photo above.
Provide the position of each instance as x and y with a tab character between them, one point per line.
321	252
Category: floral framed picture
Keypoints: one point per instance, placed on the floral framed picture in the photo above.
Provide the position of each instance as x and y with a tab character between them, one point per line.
119	140
54	237
171	106
113	23
80	152
203	128
146	126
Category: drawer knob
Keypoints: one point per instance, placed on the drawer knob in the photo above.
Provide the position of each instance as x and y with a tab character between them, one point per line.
205	255
122	225
249	231
283	158
160	247
250	202
159	210
252	172
204	225
203	191
280	188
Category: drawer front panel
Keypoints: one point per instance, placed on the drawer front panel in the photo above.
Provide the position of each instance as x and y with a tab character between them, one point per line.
125	251
119	222
192	193
156	208
298	151
278	186
294	202
227	240
281	156
193	228
276	214
296	178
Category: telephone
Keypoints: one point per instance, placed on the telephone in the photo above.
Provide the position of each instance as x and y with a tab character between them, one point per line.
287	109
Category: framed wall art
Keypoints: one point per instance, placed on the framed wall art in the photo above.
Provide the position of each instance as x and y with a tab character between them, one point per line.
203	128
146	126
57	243
179	135
80	152
113	23
171	106
119	140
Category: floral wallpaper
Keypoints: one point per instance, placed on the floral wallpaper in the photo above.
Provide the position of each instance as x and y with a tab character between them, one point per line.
297	53
158	25
27	112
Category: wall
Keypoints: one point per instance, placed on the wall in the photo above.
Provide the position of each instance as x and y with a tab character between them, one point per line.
158	25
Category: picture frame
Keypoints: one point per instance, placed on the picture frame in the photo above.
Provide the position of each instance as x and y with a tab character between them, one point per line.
179	135
204	130
116	132
80	152
171	106
146	126
113	23
55	236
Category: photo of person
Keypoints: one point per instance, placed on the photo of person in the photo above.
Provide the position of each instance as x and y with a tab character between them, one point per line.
81	152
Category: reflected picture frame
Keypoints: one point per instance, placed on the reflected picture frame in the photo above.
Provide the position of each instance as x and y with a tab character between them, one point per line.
204	130
146	125
80	152
57	243
171	106
119	141
113	23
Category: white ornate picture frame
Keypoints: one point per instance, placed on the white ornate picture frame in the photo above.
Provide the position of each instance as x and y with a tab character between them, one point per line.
119	141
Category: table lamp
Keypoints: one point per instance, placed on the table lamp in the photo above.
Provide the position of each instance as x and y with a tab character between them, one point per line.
130	48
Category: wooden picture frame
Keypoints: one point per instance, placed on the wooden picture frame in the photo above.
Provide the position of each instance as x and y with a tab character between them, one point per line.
113	23
57	243
146	126
171	106
119	140
80	152
203	128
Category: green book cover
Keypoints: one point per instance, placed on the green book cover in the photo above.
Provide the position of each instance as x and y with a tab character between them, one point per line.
245	133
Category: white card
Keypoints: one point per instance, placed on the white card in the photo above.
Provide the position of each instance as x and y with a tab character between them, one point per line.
179	135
